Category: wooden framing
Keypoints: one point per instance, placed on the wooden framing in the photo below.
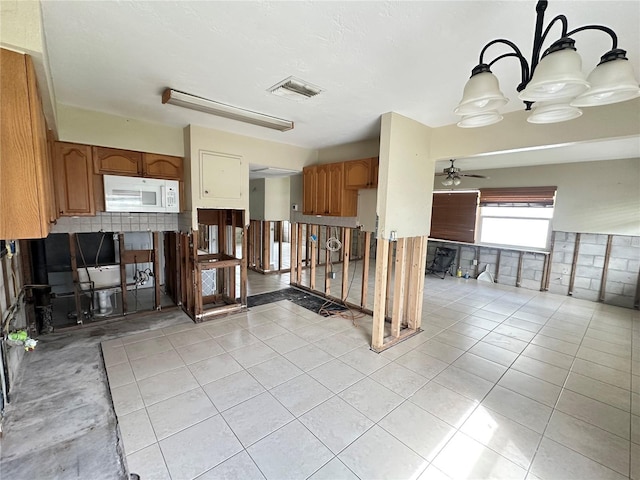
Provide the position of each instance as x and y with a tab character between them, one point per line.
224	299
398	290
605	268
327	266
519	273
365	270
408	275
299	255
380	295
294	254
314	248
546	273
346	253
576	252
266	244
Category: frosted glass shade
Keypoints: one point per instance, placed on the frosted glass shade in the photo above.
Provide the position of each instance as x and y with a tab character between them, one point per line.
480	119
558	75
481	94
553	112
611	82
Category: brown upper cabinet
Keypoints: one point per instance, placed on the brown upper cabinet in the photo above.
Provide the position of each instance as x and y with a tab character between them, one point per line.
324	192
161	166
26	188
73	170
361	173
113	161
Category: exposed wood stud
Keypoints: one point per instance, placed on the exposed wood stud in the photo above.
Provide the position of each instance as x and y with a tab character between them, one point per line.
576	252
380	295
545	268
422	260
266	246
519	274
243	266
365	270
346	251
547	272
280	231
476	267
390	257
314	248
327	264
293	277
399	288
299	255
414	281
605	268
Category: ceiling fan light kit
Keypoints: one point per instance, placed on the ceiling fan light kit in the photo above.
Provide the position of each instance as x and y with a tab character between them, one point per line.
193	102
554	78
453	175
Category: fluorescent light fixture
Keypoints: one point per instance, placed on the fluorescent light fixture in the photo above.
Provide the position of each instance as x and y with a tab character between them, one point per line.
186	100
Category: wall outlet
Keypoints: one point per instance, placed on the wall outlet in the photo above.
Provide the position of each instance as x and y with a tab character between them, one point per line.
475	262
294	207
331	275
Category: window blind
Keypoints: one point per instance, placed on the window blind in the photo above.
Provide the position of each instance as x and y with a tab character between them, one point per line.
526	196
453	216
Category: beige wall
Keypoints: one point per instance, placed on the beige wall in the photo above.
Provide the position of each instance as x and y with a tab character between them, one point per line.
277	198
514	132
250	150
406	178
349	151
21	31
78	125
593	197
256	199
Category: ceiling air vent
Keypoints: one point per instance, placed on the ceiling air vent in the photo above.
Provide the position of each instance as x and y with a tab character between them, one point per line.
295	89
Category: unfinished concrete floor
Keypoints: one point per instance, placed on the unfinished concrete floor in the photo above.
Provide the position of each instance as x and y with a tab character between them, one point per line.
60	423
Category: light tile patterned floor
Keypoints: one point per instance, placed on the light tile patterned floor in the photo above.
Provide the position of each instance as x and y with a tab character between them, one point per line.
503	383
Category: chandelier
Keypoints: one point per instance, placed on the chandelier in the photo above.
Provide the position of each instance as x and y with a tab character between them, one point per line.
553	81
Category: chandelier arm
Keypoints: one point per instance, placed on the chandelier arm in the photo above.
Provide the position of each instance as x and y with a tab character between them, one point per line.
602	28
524	66
539	37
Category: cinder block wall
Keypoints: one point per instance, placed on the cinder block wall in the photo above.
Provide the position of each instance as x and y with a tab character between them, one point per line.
620	276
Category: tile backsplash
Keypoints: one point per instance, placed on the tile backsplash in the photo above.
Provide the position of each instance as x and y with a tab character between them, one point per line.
118	222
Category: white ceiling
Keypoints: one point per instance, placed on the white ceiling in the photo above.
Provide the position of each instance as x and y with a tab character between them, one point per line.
370	58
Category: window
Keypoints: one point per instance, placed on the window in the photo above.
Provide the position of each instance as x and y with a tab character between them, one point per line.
519	217
453	216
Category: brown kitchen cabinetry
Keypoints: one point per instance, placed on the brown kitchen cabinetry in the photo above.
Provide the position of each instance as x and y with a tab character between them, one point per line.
162	166
26	188
362	173
309	189
73	172
113	161
324	193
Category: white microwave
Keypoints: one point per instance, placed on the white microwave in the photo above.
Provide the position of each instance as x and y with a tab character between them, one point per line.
137	194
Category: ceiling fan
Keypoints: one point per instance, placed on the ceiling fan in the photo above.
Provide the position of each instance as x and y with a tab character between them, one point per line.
453	175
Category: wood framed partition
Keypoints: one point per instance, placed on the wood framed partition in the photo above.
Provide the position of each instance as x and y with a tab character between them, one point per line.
399	276
406	257
221	266
262	250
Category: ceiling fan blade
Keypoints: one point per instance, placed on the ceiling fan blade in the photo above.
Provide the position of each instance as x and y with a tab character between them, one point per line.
471	175
441	174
